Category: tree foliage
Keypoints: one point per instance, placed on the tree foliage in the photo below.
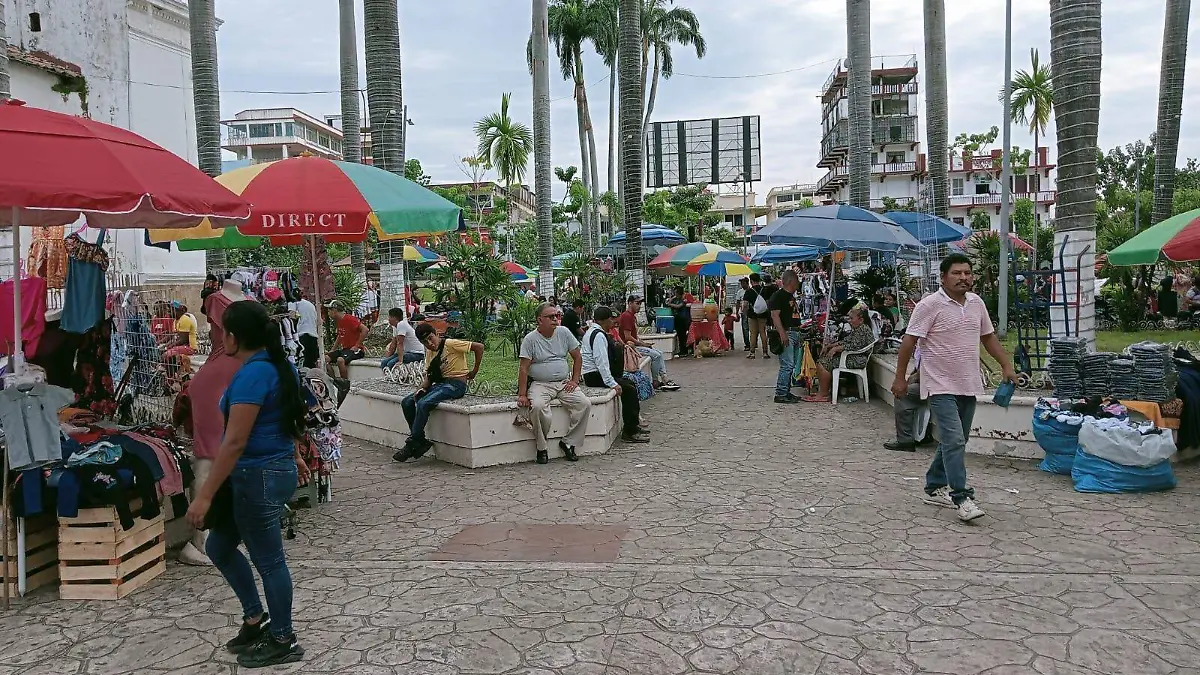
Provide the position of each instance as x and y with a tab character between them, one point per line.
470	280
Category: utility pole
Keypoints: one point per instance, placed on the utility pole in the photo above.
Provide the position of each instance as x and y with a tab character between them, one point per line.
1137	197
1006	172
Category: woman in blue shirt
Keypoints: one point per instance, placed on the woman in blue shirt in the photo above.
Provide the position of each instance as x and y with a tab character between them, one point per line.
252	478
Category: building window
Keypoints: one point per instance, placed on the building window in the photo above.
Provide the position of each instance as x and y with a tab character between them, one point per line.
956	187
323	140
1035	182
1020	184
784	198
262	130
895	157
289	129
959	220
786	213
983	184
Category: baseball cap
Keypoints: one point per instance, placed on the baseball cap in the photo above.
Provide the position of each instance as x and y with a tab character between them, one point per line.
634	298
333	304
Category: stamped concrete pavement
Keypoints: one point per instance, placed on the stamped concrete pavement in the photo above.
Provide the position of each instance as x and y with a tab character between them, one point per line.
748	538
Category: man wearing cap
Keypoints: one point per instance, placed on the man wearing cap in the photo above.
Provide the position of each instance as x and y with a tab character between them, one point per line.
348	347
629	335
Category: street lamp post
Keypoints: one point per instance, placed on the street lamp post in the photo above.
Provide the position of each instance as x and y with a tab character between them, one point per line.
1006	173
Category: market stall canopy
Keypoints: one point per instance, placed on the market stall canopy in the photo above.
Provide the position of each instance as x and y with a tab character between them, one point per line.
617	250
518	272
58	167
719	269
837	227
1177	239
695	253
928	228
316	196
652	232
774	255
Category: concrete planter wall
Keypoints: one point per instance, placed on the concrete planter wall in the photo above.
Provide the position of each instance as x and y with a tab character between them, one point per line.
663	342
995	431
472	435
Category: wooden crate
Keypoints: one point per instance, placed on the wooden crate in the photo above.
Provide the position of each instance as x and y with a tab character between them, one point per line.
97	560
41	552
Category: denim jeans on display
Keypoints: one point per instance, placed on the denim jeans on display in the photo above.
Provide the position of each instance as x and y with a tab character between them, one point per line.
259	497
787	363
416	413
953	416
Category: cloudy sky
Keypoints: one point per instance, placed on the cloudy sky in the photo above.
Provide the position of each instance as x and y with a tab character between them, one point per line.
765	57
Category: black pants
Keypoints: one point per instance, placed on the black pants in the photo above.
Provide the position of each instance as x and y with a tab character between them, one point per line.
681	336
631	407
311	355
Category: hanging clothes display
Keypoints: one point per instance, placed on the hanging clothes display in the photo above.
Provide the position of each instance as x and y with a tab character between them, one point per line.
56	353
33	314
48	256
92	380
83	301
30	419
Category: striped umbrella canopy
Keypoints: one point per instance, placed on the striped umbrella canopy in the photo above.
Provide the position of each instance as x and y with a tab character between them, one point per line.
838	227
1177	239
652	232
928	228
774	255
309	195
693	253
720	269
518	272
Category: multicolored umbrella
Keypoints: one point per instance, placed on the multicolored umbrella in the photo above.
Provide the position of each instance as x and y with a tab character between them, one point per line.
316	196
774	255
694	253
720	269
419	254
1177	239
518	272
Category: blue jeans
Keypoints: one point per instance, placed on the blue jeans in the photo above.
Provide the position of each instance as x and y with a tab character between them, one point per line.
409	357
658	364
259	497
745	332
787	363
417	412
953	416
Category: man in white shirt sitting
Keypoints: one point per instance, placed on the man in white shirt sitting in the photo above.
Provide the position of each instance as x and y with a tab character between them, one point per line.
404	343
601	356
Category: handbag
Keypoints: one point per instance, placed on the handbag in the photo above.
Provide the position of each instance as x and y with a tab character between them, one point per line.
774	341
220	511
633	359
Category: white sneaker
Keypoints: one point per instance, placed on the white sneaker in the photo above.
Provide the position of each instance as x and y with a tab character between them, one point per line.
190	555
969	510
940	497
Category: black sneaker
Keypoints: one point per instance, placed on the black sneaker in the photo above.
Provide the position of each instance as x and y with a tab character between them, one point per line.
568	451
669	386
249	635
787	399
420	448
270	651
639	437
901	446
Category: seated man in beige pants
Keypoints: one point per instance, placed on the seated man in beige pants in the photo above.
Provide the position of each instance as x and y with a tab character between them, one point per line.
544	376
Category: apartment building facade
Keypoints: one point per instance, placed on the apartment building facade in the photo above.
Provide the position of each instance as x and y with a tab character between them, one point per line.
785	199
270	134
897	165
482	197
975	186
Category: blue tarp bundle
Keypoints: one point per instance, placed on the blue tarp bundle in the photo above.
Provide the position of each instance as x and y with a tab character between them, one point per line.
1059	440
1095	474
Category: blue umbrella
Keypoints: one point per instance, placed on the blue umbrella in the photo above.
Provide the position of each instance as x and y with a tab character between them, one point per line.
837	227
929	229
557	262
652	233
772	255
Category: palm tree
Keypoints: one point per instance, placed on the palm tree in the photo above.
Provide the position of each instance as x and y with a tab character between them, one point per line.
5	88
1170	106
605	39
541	146
206	98
351	124
661	27
1033	98
385	105
937	125
1075	56
505	144
631	85
858	41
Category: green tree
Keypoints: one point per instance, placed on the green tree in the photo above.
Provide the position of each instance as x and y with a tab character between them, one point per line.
505	144
470	280
525	242
980	221
415	172
858	41
976	144
631	86
663	26
1032	98
541	143
206	97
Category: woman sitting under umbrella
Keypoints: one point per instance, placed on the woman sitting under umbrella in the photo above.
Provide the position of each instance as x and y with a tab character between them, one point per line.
859	337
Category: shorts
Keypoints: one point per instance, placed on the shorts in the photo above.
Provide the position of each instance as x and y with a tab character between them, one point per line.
348	355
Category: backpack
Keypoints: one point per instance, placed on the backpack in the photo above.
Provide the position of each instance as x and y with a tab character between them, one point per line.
616	353
760	303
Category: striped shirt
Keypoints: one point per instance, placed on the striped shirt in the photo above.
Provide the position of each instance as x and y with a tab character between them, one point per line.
948	335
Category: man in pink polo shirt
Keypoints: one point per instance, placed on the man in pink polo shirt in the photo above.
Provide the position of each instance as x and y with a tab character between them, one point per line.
950	325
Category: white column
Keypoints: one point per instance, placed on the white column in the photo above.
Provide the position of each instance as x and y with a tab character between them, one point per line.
1061	318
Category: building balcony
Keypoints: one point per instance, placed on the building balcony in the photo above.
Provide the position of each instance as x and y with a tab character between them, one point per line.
899	129
840	175
993	199
882	67
991	162
887	89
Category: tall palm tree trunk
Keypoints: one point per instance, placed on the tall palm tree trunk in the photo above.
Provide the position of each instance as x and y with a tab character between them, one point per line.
653	88
5	87
858	40
585	214
1170	106
594	205
1075	56
541	146
206	98
937	113
630	57
386	107
612	127
351	124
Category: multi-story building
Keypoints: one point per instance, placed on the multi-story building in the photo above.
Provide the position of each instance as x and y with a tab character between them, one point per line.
783	200
122	62
364	136
897	165
734	206
269	134
975	186
482	197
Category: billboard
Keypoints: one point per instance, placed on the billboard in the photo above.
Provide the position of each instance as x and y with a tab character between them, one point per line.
695	152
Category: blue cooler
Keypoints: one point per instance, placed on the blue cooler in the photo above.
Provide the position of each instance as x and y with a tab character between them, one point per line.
664	321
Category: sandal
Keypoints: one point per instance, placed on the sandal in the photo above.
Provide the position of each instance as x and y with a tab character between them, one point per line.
816	399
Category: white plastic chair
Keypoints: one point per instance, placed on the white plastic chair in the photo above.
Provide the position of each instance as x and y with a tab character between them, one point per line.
860	373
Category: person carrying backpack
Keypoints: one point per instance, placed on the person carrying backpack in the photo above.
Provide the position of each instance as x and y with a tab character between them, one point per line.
603	361
754	306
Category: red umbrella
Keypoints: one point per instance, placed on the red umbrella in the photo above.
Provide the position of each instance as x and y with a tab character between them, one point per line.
59	167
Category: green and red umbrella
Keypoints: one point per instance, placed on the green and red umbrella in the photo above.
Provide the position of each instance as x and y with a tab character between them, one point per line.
1176	239
316	196
695	253
518	272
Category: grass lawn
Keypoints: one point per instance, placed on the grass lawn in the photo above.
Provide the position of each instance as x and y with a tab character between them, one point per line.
500	364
